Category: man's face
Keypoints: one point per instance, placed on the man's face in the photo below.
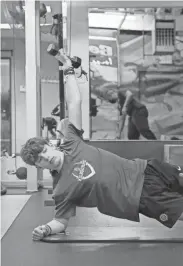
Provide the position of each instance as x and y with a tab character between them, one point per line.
49	158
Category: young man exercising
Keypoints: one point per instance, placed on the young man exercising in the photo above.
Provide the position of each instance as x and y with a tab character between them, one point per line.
91	177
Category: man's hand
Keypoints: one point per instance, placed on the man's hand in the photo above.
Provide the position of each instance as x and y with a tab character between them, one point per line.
124	110
64	59
38	233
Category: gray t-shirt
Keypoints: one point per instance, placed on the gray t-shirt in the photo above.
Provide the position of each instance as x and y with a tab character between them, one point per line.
92	177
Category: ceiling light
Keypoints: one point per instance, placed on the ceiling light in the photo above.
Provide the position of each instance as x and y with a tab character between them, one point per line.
102	38
48	8
5	26
46	24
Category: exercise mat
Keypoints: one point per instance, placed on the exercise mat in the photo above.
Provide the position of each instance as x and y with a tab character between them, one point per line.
116	234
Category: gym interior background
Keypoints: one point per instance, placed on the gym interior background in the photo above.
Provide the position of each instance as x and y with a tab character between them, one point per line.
104	48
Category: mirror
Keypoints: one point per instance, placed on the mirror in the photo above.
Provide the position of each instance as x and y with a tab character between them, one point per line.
136	54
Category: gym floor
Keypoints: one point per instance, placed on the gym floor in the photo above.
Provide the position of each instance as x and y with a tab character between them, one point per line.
21	213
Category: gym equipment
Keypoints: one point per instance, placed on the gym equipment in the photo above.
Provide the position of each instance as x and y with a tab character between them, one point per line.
50	191
51	124
56	110
110	235
20	172
3	189
53	50
67	237
56	28
93	107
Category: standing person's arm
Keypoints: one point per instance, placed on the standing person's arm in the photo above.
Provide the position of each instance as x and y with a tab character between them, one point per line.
121	124
129	96
122	117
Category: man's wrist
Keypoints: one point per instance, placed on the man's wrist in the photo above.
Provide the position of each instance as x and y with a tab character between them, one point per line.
124	110
69	71
46	230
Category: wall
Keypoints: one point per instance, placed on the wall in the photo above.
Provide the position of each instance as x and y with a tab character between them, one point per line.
18	79
135	149
131	4
50	92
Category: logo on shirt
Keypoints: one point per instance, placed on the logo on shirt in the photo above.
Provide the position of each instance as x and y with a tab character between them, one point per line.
83	170
163	217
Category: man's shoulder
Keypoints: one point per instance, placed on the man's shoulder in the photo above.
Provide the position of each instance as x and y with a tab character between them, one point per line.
73	131
78	131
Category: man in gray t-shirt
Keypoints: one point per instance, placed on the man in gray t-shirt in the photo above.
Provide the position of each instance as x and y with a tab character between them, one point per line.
87	176
92	177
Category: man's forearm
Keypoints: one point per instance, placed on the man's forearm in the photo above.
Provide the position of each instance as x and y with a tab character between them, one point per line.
121	124
72	91
129	97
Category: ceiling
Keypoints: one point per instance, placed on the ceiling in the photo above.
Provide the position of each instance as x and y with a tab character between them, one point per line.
54	5
136	19
133	18
45	29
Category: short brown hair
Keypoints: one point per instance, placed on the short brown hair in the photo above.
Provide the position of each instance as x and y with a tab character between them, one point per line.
31	149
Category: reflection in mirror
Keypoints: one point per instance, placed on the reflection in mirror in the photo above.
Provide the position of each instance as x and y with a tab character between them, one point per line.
136	73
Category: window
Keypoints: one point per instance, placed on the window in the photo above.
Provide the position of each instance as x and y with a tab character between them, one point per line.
6	104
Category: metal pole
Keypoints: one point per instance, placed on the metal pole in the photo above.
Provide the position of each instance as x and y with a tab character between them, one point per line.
33	84
61	77
118	49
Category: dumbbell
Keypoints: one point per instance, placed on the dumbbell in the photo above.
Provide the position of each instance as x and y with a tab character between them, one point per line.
3	190
75	60
20	172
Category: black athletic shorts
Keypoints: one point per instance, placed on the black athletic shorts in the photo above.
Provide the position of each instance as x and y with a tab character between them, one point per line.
162	196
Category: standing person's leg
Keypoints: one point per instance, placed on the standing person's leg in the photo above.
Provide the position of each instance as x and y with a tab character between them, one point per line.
160	199
140	120
133	133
